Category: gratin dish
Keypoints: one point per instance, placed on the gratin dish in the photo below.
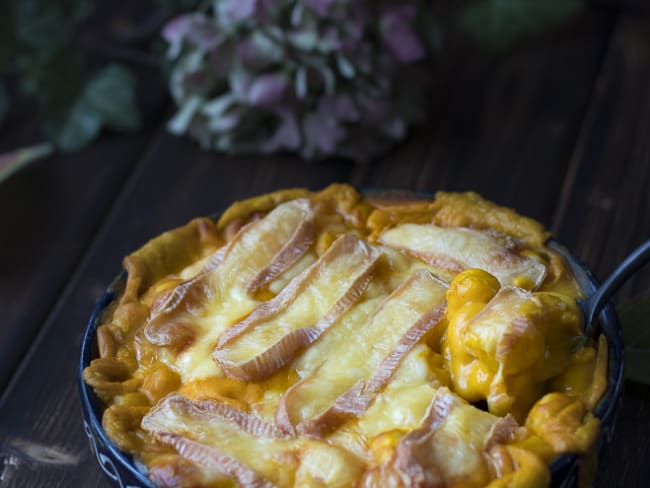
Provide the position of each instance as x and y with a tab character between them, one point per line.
124	471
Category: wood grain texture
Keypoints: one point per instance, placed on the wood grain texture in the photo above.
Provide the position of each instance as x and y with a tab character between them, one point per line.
628	6
51	210
504	127
608	209
607	213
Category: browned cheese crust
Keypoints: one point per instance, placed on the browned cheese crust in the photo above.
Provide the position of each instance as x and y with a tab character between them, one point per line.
331	338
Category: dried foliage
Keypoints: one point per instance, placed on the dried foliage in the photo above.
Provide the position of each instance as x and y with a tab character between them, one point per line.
321	77
318	77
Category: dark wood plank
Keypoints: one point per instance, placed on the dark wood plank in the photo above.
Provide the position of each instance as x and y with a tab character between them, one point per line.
506	125
50	211
627	6
491	119
607	213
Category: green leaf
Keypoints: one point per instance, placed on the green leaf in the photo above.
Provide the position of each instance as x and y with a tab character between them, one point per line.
74	107
496	24
108	99
44	26
635	323
111	95
76	128
40	26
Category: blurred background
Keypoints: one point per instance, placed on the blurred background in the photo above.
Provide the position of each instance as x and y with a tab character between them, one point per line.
119	120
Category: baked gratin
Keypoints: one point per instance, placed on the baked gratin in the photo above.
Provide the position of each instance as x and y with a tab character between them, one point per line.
312	339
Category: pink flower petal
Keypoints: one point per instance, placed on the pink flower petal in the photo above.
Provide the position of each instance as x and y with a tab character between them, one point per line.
267	90
286	136
399	36
322	132
231	11
321	7
175	29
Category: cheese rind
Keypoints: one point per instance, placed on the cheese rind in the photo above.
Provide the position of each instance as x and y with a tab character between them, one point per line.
345	385
273	334
220	438
334	390
259	252
255	454
449	447
458	249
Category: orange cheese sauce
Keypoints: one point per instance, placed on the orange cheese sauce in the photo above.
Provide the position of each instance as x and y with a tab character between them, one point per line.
516	352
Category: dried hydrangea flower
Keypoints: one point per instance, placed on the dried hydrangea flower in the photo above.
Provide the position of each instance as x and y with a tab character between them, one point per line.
319	77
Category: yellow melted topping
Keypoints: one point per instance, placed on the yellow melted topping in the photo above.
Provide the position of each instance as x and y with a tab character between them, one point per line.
514	345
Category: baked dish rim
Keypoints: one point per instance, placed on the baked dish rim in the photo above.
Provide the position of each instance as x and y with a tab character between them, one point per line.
123	469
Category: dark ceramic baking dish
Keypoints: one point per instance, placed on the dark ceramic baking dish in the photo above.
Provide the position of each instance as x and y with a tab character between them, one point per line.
125	472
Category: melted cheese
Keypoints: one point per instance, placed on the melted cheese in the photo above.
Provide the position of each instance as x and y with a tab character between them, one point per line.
235	443
224	291
349	381
401	405
333	372
457	249
310	304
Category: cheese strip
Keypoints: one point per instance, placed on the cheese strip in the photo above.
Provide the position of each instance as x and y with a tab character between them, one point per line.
255	454
258	253
458	249
273	333
222	439
401	405
507	341
509	330
346	384
450	446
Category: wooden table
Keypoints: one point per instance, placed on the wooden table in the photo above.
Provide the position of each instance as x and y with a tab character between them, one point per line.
558	128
